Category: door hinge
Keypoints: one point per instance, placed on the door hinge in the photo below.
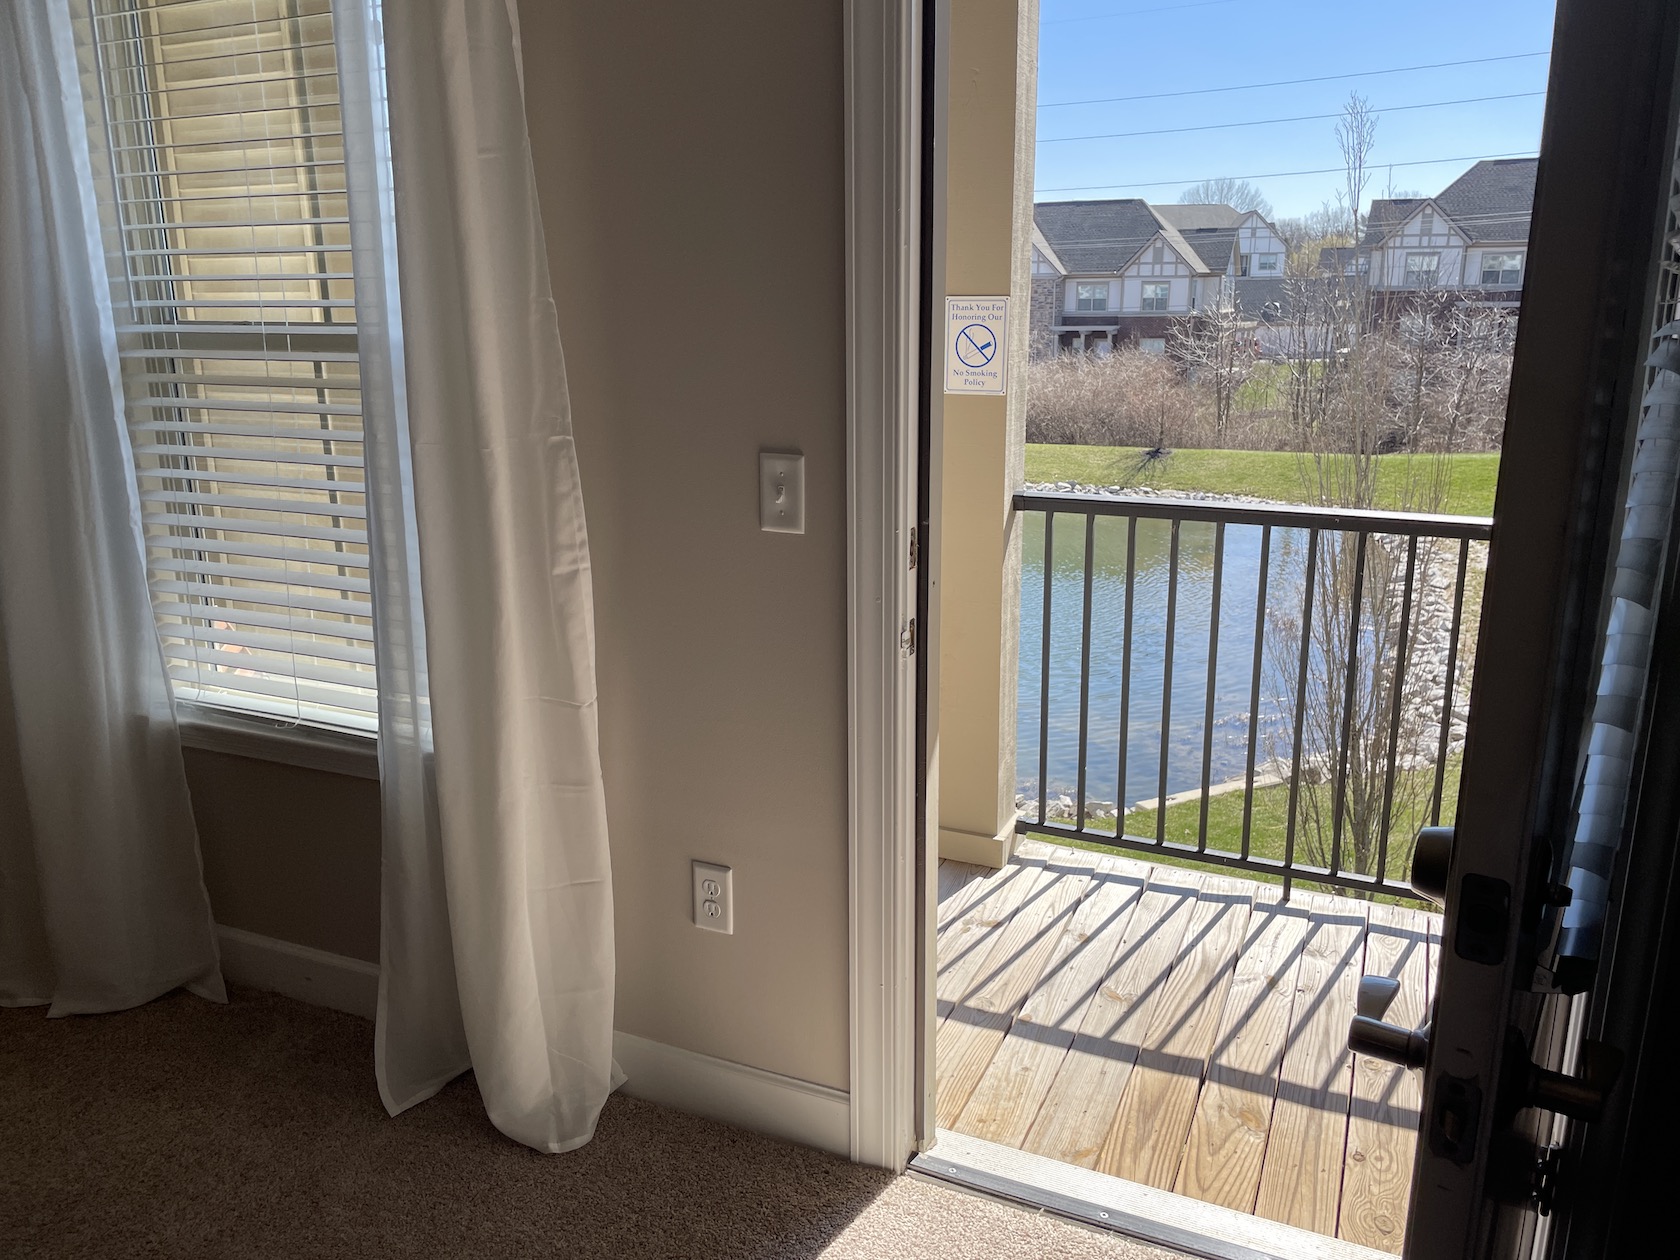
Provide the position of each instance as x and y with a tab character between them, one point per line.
915	553
907	638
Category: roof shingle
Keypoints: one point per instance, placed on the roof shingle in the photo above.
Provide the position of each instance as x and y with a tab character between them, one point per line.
1491	201
1093	237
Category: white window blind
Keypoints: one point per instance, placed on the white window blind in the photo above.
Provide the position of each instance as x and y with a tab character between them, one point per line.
222	186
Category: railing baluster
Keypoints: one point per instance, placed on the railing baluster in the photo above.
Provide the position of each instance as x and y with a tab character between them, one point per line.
1085	672
1402	648
1167	685
1300	709
1044	676
1338	803
1126	678
1212	681
1451	682
1314	679
1254	683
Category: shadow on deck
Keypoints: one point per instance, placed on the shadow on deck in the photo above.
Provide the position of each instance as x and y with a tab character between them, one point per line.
1183	1031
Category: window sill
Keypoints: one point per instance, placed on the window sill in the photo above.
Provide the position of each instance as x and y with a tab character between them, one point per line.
211	729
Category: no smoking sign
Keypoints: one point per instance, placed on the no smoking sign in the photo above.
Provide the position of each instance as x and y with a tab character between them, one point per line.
976	345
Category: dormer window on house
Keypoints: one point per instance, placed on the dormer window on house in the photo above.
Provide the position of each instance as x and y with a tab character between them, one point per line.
1502	269
1091	297
1159	254
1155	296
1268	264
1422	269
1426	223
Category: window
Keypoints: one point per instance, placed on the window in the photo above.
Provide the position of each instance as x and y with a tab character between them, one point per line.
1426	223
1152	345
1268	264
1158	255
1091	297
1502	269
1155	296
227	229
1421	270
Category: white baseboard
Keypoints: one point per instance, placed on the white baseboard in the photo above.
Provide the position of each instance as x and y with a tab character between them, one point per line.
309	975
748	1097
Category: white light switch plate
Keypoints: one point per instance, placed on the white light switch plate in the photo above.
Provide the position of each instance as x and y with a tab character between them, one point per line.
714	897
781	493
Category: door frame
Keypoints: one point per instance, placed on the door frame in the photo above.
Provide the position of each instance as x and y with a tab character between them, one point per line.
887	853
1581	336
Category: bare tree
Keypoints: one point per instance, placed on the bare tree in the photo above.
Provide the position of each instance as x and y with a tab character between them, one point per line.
1378	403
1227	191
1309	234
1356	137
1216	347
1126	398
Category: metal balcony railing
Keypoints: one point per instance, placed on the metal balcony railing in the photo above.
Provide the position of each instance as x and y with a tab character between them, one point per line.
1313	660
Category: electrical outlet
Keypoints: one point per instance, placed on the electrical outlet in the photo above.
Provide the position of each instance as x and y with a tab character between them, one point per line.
714	898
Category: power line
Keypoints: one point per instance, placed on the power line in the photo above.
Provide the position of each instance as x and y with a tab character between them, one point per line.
1192	237
1323	170
1323	78
1164	8
1265	122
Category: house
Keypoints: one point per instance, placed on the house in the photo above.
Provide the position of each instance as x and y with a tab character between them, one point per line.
1108	273
1471	239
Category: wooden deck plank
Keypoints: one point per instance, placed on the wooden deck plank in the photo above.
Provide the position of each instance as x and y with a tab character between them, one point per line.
1301	1179
1076	1115
1094	988
1005	1103
1383	1124
965	940
956	891
1146	1142
977	1022
1226	1145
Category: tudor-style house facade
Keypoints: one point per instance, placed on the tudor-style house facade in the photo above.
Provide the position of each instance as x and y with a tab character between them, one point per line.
1119	272
1470	240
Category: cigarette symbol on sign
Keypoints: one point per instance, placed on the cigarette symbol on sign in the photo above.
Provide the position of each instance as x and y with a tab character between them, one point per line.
976	346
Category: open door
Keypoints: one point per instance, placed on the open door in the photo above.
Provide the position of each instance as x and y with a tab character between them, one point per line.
1518	1070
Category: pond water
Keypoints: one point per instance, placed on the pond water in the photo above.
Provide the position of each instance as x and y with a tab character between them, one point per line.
1186	722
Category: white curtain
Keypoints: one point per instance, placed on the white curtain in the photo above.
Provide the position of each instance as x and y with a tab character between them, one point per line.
497	946
102	901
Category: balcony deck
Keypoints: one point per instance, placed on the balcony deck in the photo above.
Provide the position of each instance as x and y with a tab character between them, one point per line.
1183	1030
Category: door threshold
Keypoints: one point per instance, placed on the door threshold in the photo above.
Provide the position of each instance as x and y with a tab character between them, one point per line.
1142	1212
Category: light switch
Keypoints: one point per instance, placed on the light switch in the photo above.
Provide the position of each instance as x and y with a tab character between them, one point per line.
781	493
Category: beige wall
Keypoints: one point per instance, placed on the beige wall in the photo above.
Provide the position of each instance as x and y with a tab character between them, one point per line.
289	853
689	159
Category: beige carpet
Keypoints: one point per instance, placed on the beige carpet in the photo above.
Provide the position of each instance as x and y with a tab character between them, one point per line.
188	1129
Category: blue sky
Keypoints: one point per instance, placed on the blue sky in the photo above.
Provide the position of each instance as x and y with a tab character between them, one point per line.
1145	48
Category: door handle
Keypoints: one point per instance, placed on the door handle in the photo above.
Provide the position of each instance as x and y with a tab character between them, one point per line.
1431	856
1409	1047
1368	1034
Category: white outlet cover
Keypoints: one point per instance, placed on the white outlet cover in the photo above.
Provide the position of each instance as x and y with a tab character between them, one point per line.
781	493
714	898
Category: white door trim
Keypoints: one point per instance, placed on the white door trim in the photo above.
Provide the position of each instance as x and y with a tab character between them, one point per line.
883	48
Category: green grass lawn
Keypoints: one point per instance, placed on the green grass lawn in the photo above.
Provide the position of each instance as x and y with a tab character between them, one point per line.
1280	475
1268	828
